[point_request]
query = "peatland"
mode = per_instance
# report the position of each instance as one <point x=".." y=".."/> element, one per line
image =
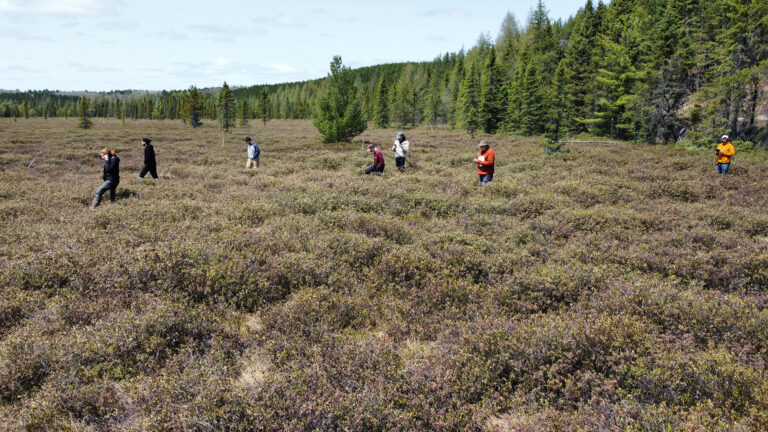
<point x="608" y="287"/>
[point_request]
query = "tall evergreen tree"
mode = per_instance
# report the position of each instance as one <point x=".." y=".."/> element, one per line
<point x="243" y="112"/>
<point x="615" y="94"/>
<point x="380" y="106"/>
<point x="403" y="98"/>
<point x="559" y="111"/>
<point x="226" y="110"/>
<point x="193" y="106"/>
<point x="338" y="115"/>
<point x="264" y="107"/>
<point x="456" y="78"/>
<point x="491" y="95"/>
<point x="469" y="101"/>
<point x="579" y="68"/>
<point x="83" y="113"/>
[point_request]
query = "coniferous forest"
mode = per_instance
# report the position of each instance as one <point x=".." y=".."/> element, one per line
<point x="651" y="71"/>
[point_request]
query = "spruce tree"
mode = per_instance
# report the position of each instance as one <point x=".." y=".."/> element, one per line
<point x="559" y="110"/>
<point x="435" y="109"/>
<point x="193" y="106"/>
<point x="515" y="89"/>
<point x="338" y="115"/>
<point x="578" y="67"/>
<point x="226" y="109"/>
<point x="491" y="95"/>
<point x="243" y="112"/>
<point x="263" y="107"/>
<point x="469" y="101"/>
<point x="380" y="106"/>
<point x="403" y="98"/>
<point x="83" y="113"/>
<point x="456" y="78"/>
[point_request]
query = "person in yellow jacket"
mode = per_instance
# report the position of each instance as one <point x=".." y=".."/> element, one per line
<point x="724" y="153"/>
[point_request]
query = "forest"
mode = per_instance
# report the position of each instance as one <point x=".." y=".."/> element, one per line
<point x="654" y="71"/>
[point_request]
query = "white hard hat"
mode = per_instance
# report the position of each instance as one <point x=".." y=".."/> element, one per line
<point x="724" y="136"/>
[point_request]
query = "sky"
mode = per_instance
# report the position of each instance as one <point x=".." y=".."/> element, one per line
<point x="102" y="45"/>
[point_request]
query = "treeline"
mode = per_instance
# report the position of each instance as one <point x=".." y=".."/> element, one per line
<point x="646" y="70"/>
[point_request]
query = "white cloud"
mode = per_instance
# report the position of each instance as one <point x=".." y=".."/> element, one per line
<point x="281" y="19"/>
<point x="74" y="7"/>
<point x="223" y="62"/>
<point x="447" y="12"/>
<point x="282" y="68"/>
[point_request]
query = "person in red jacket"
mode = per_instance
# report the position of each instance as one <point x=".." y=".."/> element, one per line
<point x="378" y="160"/>
<point x="484" y="161"/>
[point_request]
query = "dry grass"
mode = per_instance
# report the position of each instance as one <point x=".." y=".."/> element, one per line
<point x="613" y="287"/>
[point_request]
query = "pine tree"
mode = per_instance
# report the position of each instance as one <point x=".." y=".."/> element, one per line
<point x="263" y="107"/>
<point x="532" y="109"/>
<point x="614" y="92"/>
<point x="469" y="101"/>
<point x="193" y="106"/>
<point x="435" y="101"/>
<point x="491" y="95"/>
<point x="338" y="115"/>
<point x="456" y="78"/>
<point x="83" y="114"/>
<point x="559" y="112"/>
<point x="24" y="109"/>
<point x="579" y="68"/>
<point x="380" y="106"/>
<point x="514" y="92"/>
<point x="243" y="112"/>
<point x="403" y="98"/>
<point x="226" y="110"/>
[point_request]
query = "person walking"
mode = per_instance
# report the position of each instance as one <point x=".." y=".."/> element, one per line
<point x="724" y="153"/>
<point x="111" y="177"/>
<point x="485" y="161"/>
<point x="150" y="164"/>
<point x="401" y="151"/>
<point x="378" y="161"/>
<point x="253" y="153"/>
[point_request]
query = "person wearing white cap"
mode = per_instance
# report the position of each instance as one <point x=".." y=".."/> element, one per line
<point x="724" y="153"/>
<point x="485" y="160"/>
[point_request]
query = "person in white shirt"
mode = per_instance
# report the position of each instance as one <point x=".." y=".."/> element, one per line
<point x="401" y="151"/>
<point x="253" y="153"/>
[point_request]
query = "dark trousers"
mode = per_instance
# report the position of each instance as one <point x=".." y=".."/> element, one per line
<point x="485" y="178"/>
<point x="374" y="169"/>
<point x="152" y="169"/>
<point x="108" y="185"/>
<point x="400" y="163"/>
<point x="722" y="168"/>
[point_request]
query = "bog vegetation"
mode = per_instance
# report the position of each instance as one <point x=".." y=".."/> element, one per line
<point x="650" y="71"/>
<point x="609" y="287"/>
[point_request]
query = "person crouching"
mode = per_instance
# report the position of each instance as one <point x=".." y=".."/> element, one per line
<point x="378" y="161"/>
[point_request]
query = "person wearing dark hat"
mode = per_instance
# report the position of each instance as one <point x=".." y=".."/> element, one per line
<point x="724" y="152"/>
<point x="378" y="161"/>
<point x="484" y="161"/>
<point x="111" y="177"/>
<point x="150" y="164"/>
<point x="253" y="153"/>
<point x="401" y="151"/>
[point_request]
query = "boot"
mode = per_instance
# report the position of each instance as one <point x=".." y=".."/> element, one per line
<point x="95" y="203"/>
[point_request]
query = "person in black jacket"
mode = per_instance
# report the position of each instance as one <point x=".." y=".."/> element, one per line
<point x="111" y="177"/>
<point x="150" y="165"/>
